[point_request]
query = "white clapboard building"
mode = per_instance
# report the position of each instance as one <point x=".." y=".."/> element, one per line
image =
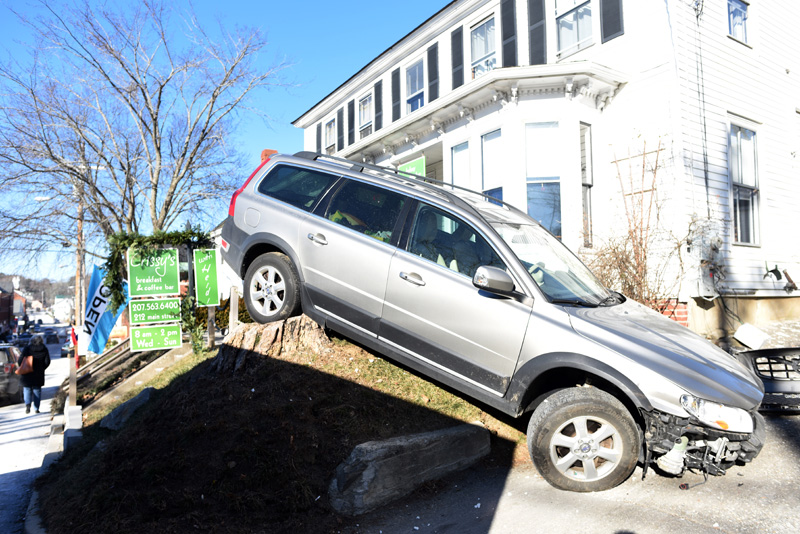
<point x="674" y="124"/>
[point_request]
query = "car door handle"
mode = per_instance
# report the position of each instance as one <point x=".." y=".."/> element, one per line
<point x="414" y="278"/>
<point x="318" y="239"/>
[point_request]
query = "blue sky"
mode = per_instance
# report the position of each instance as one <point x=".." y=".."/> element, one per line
<point x="325" y="43"/>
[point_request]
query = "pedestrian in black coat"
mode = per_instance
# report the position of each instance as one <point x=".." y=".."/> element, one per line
<point x="32" y="382"/>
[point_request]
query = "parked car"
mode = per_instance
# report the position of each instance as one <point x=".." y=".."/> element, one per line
<point x="67" y="349"/>
<point x="475" y="294"/>
<point x="24" y="339"/>
<point x="10" y="388"/>
<point x="63" y="332"/>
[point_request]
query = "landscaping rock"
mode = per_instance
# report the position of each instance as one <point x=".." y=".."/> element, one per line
<point x="117" y="418"/>
<point x="378" y="472"/>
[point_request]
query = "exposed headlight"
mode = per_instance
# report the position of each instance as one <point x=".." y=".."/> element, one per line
<point x="718" y="415"/>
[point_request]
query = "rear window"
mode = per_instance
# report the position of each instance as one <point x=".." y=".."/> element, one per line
<point x="299" y="187"/>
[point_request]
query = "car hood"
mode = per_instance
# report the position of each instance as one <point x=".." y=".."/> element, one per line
<point x="671" y="350"/>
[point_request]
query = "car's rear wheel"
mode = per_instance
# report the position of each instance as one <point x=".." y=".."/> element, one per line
<point x="271" y="288"/>
<point x="583" y="439"/>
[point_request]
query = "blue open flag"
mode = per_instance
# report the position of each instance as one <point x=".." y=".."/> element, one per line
<point x="100" y="319"/>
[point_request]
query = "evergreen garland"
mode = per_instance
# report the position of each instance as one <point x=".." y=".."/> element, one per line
<point x="119" y="243"/>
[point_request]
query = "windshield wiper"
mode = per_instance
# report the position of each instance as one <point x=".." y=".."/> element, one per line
<point x="614" y="298"/>
<point x="574" y="302"/>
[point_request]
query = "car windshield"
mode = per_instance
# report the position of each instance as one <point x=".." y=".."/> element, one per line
<point x="561" y="276"/>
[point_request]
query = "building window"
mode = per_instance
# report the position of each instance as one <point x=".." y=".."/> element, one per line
<point x="587" y="181"/>
<point x="744" y="185"/>
<point x="415" y="87"/>
<point x="365" y="116"/>
<point x="574" y="29"/>
<point x="483" y="50"/>
<point x="492" y="160"/>
<point x="543" y="177"/>
<point x="737" y="20"/>
<point x="330" y="137"/>
<point x="497" y="193"/>
<point x="460" y="165"/>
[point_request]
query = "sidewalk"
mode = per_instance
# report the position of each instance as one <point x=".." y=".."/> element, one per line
<point x="23" y="444"/>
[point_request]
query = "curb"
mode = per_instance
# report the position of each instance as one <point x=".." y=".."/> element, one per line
<point x="60" y="434"/>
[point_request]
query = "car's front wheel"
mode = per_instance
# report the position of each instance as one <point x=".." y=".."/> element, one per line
<point x="271" y="288"/>
<point x="583" y="439"/>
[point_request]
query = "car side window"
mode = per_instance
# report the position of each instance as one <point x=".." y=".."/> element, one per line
<point x="301" y="188"/>
<point x="371" y="210"/>
<point x="448" y="241"/>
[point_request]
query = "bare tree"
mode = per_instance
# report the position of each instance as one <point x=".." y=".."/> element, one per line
<point x="123" y="113"/>
<point x="644" y="261"/>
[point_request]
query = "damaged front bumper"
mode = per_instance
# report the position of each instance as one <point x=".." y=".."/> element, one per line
<point x="676" y="444"/>
<point x="779" y="371"/>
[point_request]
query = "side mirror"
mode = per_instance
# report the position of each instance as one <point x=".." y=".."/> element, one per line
<point x="493" y="280"/>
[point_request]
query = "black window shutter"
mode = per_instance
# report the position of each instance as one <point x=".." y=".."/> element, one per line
<point x="319" y="137"/>
<point x="536" y="32"/>
<point x="340" y="129"/>
<point x="378" y="105"/>
<point x="433" y="72"/>
<point x="611" y="19"/>
<point x="457" y="46"/>
<point x="508" y="20"/>
<point x="395" y="94"/>
<point x="351" y="122"/>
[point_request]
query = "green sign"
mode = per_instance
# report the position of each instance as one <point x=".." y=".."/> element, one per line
<point x="165" y="336"/>
<point x="205" y="277"/>
<point x="416" y="166"/>
<point x="153" y="273"/>
<point x="154" y="311"/>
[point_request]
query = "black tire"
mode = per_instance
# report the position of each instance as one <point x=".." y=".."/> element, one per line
<point x="583" y="439"/>
<point x="271" y="288"/>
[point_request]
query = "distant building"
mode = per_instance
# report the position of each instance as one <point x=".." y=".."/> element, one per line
<point x="585" y="113"/>
<point x="20" y="303"/>
<point x="6" y="310"/>
<point x="62" y="309"/>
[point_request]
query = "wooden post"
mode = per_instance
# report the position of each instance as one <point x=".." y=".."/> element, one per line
<point x="233" y="318"/>
<point x="212" y="323"/>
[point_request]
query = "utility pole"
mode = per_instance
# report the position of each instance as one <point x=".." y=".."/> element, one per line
<point x="80" y="300"/>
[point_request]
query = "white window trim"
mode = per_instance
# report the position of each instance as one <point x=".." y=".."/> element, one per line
<point x="580" y="45"/>
<point x="424" y="91"/>
<point x="328" y="145"/>
<point x="746" y="39"/>
<point x="756" y="229"/>
<point x="497" y="44"/>
<point x="367" y="124"/>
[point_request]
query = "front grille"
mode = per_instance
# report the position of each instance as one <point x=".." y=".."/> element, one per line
<point x="778" y="367"/>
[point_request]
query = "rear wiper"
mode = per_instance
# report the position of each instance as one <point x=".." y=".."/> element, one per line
<point x="574" y="302"/>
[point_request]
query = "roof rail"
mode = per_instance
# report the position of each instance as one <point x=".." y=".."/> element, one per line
<point x="359" y="167"/>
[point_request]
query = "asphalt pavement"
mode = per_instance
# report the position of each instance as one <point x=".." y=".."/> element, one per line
<point x="758" y="498"/>
<point x="23" y="443"/>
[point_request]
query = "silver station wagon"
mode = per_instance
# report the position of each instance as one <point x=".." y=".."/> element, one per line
<point x="473" y="293"/>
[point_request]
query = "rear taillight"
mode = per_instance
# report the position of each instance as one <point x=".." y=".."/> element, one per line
<point x="236" y="193"/>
